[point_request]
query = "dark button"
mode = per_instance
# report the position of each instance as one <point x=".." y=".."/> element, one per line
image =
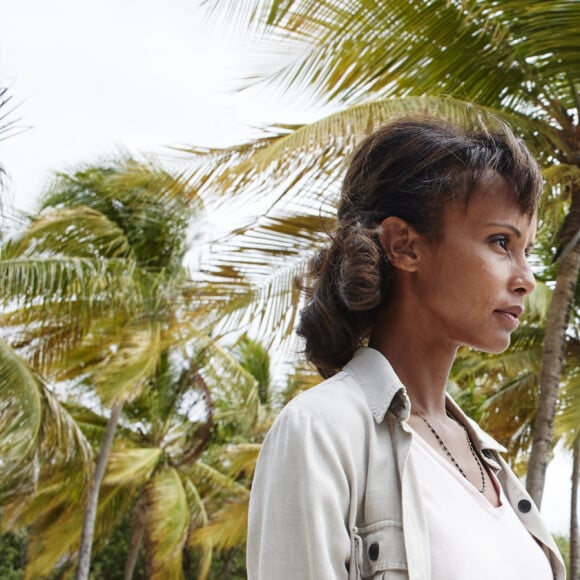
<point x="524" y="506"/>
<point x="486" y="453"/>
<point x="374" y="551"/>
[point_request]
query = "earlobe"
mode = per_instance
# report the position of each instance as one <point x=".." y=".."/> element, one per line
<point x="399" y="241"/>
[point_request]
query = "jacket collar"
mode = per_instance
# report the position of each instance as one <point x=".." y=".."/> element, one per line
<point x="382" y="387"/>
<point x="384" y="392"/>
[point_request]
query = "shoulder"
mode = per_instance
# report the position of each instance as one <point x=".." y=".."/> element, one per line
<point x="332" y="413"/>
<point x="338" y="400"/>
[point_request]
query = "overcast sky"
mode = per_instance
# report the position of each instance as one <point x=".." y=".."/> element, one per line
<point x="93" y="78"/>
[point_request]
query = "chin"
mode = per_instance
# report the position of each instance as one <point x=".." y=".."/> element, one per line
<point x="496" y="347"/>
<point x="497" y="350"/>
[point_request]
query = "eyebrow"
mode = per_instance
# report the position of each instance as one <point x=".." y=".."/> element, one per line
<point x="509" y="226"/>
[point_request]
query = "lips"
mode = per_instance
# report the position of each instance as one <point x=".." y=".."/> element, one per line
<point x="510" y="315"/>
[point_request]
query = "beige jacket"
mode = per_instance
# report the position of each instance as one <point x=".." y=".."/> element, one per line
<point x="334" y="496"/>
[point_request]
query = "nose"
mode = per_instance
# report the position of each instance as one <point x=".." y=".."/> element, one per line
<point x="524" y="280"/>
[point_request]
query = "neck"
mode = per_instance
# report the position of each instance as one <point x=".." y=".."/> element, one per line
<point x="420" y="360"/>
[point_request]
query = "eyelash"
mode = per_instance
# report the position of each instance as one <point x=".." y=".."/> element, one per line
<point x="503" y="242"/>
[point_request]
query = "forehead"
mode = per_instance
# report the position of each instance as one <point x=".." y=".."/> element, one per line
<point x="492" y="202"/>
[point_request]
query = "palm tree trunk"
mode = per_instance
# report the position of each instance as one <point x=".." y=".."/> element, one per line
<point x="552" y="357"/>
<point x="136" y="539"/>
<point x="93" y="496"/>
<point x="574" y="539"/>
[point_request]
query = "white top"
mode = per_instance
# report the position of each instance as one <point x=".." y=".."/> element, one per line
<point x="469" y="538"/>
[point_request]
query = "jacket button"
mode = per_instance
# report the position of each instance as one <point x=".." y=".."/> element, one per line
<point x="524" y="506"/>
<point x="374" y="551"/>
<point x="486" y="453"/>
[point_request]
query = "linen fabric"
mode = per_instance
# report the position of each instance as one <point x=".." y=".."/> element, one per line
<point x="336" y="496"/>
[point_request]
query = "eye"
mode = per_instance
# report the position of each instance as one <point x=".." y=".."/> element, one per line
<point x="501" y="241"/>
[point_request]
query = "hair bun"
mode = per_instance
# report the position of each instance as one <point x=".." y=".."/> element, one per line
<point x="360" y="283"/>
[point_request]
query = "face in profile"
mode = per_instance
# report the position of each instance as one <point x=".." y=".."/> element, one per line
<point x="474" y="281"/>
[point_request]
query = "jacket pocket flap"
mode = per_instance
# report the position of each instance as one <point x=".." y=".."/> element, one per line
<point x="379" y="547"/>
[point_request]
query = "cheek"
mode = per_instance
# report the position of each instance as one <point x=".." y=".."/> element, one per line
<point x="471" y="281"/>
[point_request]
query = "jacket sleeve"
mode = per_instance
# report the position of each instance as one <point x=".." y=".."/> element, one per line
<point x="298" y="520"/>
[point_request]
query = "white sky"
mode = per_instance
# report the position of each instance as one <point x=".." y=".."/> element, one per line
<point x="93" y="78"/>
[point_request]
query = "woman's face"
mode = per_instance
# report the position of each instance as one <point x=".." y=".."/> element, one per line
<point x="475" y="278"/>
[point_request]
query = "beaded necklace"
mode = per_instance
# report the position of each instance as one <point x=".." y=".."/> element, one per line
<point x="453" y="460"/>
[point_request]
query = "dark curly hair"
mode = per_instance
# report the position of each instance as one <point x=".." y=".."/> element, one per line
<point x="410" y="168"/>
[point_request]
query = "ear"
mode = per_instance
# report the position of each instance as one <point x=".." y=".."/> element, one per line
<point x="401" y="243"/>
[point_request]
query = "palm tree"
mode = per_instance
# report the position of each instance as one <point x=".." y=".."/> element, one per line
<point x="369" y="61"/>
<point x="162" y="466"/>
<point x="94" y="287"/>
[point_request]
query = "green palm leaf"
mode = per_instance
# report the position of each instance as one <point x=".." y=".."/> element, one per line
<point x="55" y="533"/>
<point x="123" y="375"/>
<point x="308" y="159"/>
<point x="167" y="524"/>
<point x="469" y="49"/>
<point x="227" y="528"/>
<point x="209" y="481"/>
<point x="132" y="467"/>
<point x="34" y="428"/>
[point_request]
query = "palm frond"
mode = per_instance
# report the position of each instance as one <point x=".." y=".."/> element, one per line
<point x="198" y="518"/>
<point x="255" y="358"/>
<point x="516" y="398"/>
<point x="227" y="528"/>
<point x="54" y="536"/>
<point x="307" y="160"/>
<point x="522" y="356"/>
<point x="210" y="481"/>
<point x="79" y="231"/>
<point x="125" y="372"/>
<point x="8" y="123"/>
<point x="241" y="459"/>
<point x="537" y="304"/>
<point x="132" y="467"/>
<point x="167" y="521"/>
<point x="149" y="206"/>
<point x="36" y="431"/>
<point x="468" y="49"/>
<point x="63" y="284"/>
<point x="234" y="391"/>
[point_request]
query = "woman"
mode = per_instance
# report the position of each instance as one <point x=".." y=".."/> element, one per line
<point x="376" y="472"/>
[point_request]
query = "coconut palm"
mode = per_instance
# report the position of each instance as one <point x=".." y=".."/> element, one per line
<point x="157" y="470"/>
<point x="96" y="291"/>
<point x="369" y="61"/>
